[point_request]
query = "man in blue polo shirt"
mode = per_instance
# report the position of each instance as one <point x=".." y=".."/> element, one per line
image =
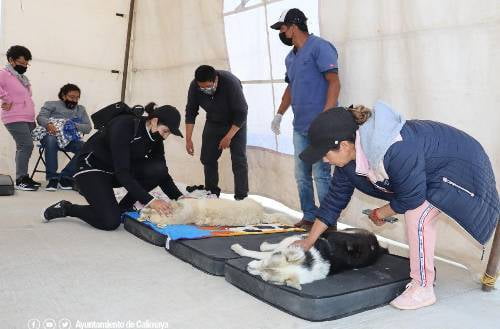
<point x="313" y="87"/>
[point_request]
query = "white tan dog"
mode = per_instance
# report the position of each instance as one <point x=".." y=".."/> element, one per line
<point x="214" y="212"/>
<point x="284" y="263"/>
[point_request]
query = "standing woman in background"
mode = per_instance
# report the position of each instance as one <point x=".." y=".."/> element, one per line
<point x="18" y="111"/>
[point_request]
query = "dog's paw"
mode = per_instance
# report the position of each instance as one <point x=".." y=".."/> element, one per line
<point x="293" y="284"/>
<point x="265" y="246"/>
<point x="237" y="248"/>
<point x="253" y="267"/>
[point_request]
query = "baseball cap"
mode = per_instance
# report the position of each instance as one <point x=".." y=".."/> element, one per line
<point x="326" y="132"/>
<point x="290" y="16"/>
<point x="169" y="116"/>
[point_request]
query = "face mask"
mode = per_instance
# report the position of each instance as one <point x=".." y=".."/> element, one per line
<point x="285" y="40"/>
<point x="209" y="91"/>
<point x="70" y="104"/>
<point x="156" y="136"/>
<point x="20" y="69"/>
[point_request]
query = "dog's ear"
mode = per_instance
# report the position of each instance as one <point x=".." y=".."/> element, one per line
<point x="293" y="282"/>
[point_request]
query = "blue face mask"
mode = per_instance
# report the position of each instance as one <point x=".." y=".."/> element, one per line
<point x="209" y="91"/>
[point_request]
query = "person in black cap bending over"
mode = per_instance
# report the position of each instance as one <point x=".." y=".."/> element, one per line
<point x="220" y="94"/>
<point x="420" y="167"/>
<point x="128" y="153"/>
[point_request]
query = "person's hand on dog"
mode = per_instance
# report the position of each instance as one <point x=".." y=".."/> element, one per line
<point x="316" y="230"/>
<point x="161" y="206"/>
<point x="304" y="244"/>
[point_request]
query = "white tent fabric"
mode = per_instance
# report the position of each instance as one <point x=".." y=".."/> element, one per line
<point x="433" y="60"/>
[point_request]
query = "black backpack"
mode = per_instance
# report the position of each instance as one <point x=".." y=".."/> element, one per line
<point x="102" y="117"/>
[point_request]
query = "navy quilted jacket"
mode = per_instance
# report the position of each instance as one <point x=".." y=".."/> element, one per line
<point x="433" y="162"/>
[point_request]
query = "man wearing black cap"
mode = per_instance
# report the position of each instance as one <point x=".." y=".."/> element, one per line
<point x="313" y="86"/>
<point x="220" y="94"/>
<point x="128" y="152"/>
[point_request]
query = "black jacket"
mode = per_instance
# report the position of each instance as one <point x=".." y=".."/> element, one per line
<point x="227" y="106"/>
<point x="121" y="143"/>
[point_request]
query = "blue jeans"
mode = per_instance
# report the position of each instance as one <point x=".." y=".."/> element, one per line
<point x="49" y="142"/>
<point x="320" y="172"/>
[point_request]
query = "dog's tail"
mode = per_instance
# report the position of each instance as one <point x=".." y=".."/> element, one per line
<point x="278" y="217"/>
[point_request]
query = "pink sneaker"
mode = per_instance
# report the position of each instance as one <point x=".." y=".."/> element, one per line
<point x="414" y="297"/>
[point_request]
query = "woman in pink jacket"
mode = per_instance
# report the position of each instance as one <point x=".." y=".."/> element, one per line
<point x="18" y="111"/>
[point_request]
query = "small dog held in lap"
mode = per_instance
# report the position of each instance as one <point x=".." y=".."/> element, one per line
<point x="286" y="264"/>
<point x="215" y="212"/>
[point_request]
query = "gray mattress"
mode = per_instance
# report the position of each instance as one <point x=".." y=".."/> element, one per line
<point x="337" y="296"/>
<point x="144" y="232"/>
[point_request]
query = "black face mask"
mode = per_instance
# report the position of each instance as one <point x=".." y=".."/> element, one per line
<point x="285" y="40"/>
<point x="156" y="136"/>
<point x="70" y="104"/>
<point x="20" y="69"/>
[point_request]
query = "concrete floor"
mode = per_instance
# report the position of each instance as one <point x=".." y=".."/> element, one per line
<point x="65" y="269"/>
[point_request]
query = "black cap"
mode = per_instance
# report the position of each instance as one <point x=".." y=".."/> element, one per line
<point x="327" y="131"/>
<point x="290" y="16"/>
<point x="169" y="116"/>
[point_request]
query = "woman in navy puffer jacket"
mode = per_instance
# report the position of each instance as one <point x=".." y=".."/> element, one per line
<point x="420" y="167"/>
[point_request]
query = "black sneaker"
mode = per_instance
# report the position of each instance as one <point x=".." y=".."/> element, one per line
<point x="24" y="184"/>
<point x="37" y="184"/>
<point x="52" y="185"/>
<point x="57" y="210"/>
<point x="65" y="184"/>
<point x="214" y="190"/>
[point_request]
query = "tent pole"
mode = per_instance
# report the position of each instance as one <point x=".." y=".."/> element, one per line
<point x="490" y="275"/>
<point x="127" y="49"/>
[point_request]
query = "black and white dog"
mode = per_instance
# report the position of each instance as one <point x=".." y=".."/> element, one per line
<point x="284" y="263"/>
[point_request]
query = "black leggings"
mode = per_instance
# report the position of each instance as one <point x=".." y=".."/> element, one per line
<point x="103" y="211"/>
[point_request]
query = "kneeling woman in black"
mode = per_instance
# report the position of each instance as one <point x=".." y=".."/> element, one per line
<point x="127" y="153"/>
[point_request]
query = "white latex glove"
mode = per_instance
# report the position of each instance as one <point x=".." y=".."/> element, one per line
<point x="275" y="124"/>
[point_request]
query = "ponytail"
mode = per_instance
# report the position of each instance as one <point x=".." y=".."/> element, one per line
<point x="360" y="113"/>
<point x="150" y="110"/>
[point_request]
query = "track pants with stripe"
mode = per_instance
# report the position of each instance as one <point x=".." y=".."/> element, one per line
<point x="421" y="232"/>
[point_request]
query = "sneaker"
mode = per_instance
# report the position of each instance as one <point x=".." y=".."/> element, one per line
<point x="240" y="197"/>
<point x="57" y="210"/>
<point x="24" y="184"/>
<point x="214" y="190"/>
<point x="414" y="297"/>
<point x="37" y="184"/>
<point x="52" y="185"/>
<point x="65" y="184"/>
